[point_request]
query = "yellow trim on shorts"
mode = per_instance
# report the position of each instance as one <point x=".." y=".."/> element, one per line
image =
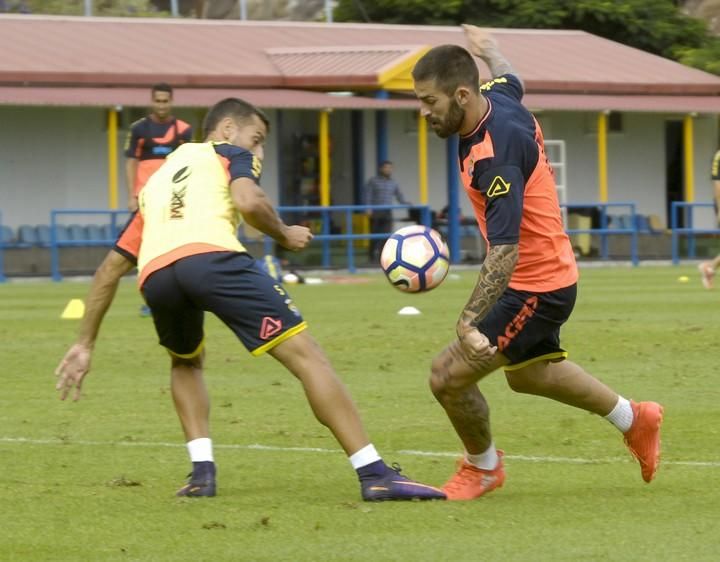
<point x="281" y="338"/>
<point x="547" y="357"/>
<point x="198" y="351"/>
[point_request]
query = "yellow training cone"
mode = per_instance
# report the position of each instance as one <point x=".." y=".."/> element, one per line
<point x="74" y="310"/>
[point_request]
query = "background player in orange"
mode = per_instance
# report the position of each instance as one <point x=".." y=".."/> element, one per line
<point x="151" y="139"/>
<point x="190" y="261"/>
<point x="148" y="143"/>
<point x="527" y="284"/>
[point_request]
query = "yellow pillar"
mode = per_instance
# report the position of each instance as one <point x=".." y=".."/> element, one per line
<point x="689" y="158"/>
<point x="602" y="127"/>
<point x="324" y="148"/>
<point x="422" y="159"/>
<point x="112" y="133"/>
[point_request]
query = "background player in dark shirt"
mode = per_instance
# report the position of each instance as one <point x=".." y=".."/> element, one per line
<point x="151" y="139"/>
<point x="526" y="287"/>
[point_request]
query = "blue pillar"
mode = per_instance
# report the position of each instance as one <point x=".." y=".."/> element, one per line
<point x="381" y="129"/>
<point x="453" y="192"/>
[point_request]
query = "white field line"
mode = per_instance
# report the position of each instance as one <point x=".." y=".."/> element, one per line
<point x="410" y="452"/>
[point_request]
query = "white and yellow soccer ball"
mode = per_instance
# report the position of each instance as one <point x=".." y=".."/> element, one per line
<point x="415" y="259"/>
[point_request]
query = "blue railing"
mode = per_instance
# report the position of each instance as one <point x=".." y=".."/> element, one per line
<point x="606" y="230"/>
<point x="117" y="221"/>
<point x="326" y="237"/>
<point x="676" y="207"/>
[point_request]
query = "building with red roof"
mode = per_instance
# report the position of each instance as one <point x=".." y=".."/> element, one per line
<point x="61" y="77"/>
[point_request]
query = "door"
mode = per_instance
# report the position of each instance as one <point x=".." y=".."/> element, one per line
<point x="674" y="168"/>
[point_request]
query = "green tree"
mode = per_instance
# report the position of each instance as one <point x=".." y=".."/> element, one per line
<point x="656" y="26"/>
<point x="135" y="8"/>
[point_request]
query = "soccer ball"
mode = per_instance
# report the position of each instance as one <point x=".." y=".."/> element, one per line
<point x="415" y="259"/>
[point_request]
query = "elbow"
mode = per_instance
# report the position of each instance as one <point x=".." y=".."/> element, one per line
<point x="246" y="207"/>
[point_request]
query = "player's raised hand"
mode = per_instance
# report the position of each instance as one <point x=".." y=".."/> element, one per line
<point x="72" y="370"/>
<point x="479" y="41"/>
<point x="297" y="237"/>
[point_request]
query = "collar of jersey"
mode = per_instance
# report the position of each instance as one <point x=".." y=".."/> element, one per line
<point x="481" y="122"/>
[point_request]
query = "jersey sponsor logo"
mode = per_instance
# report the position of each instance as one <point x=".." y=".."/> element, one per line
<point x="182" y="174"/>
<point x="177" y="197"/>
<point x="498" y="187"/>
<point x="256" y="166"/>
<point x="270" y="327"/>
<point x="516" y="325"/>
<point x="488" y="85"/>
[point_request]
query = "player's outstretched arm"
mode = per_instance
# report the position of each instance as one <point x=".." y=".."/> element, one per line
<point x="482" y="45"/>
<point x="258" y="212"/>
<point x="131" y="166"/>
<point x="75" y="365"/>
<point x="494" y="278"/>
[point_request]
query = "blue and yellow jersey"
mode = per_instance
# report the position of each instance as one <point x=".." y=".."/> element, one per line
<point x="186" y="206"/>
<point x="150" y="141"/>
<point x="511" y="185"/>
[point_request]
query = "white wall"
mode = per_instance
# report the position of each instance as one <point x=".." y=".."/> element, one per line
<point x="51" y="158"/>
<point x="636" y="158"/>
<point x="57" y="158"/>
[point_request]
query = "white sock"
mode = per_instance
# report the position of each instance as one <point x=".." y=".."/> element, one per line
<point x="200" y="450"/>
<point x="487" y="460"/>
<point x="365" y="456"/>
<point x="621" y="415"/>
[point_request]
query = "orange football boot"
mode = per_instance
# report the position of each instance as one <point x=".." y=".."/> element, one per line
<point x="470" y="482"/>
<point x="643" y="437"/>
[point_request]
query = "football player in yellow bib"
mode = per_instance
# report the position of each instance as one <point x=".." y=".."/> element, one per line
<point x="190" y="261"/>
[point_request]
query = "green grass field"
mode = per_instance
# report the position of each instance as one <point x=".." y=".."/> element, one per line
<point x="95" y="479"/>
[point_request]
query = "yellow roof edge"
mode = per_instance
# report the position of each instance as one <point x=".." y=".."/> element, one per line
<point x="398" y="75"/>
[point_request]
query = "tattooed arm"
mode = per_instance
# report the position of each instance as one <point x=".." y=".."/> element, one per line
<point x="493" y="280"/>
<point x="482" y="45"/>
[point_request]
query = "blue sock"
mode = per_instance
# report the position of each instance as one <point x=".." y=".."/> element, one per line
<point x="373" y="470"/>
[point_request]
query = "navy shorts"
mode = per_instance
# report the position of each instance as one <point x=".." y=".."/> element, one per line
<point x="232" y="286"/>
<point x="525" y="326"/>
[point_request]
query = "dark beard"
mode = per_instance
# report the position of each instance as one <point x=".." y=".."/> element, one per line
<point x="452" y="122"/>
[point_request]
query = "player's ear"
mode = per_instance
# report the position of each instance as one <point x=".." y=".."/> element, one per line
<point x="227" y="127"/>
<point x="462" y="95"/>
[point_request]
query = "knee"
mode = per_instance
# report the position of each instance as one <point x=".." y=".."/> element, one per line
<point x="439" y="378"/>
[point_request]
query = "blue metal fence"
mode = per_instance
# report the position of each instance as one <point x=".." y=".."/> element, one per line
<point x="117" y="219"/>
<point x="606" y="229"/>
<point x="325" y="236"/>
<point x="688" y="229"/>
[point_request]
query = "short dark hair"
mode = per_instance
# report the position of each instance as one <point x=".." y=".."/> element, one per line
<point x="384" y="162"/>
<point x="449" y="66"/>
<point x="235" y="108"/>
<point x="162" y="87"/>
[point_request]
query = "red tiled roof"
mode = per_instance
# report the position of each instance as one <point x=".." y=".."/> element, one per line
<point x="207" y="53"/>
<point x="192" y="97"/>
<point x="352" y="65"/>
